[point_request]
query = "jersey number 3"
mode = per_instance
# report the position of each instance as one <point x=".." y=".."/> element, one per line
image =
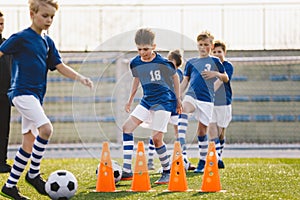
<point x="155" y="75"/>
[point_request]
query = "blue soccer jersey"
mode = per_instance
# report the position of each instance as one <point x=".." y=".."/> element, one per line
<point x="223" y="96"/>
<point x="180" y="74"/>
<point x="199" y="88"/>
<point x="156" y="78"/>
<point x="33" y="55"/>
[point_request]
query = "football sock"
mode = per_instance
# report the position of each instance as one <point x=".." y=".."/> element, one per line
<point x="127" y="151"/>
<point x="151" y="150"/>
<point x="164" y="158"/>
<point x="182" y="127"/>
<point x="38" y="150"/>
<point x="222" y="144"/>
<point x="203" y="147"/>
<point x="19" y="165"/>
<point x="218" y="147"/>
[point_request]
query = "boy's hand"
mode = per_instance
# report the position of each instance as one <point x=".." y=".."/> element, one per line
<point x="179" y="106"/>
<point x="209" y="74"/>
<point x="127" y="107"/>
<point x="87" y="82"/>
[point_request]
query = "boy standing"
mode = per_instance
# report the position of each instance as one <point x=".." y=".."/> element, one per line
<point x="200" y="73"/>
<point x="222" y="112"/>
<point x="34" y="53"/>
<point x="159" y="80"/>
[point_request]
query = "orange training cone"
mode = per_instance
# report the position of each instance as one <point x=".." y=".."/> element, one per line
<point x="211" y="178"/>
<point x="105" y="180"/>
<point x="178" y="182"/>
<point x="141" y="179"/>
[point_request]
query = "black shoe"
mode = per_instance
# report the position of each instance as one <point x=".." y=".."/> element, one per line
<point x="12" y="193"/>
<point x="38" y="183"/>
<point x="5" y="168"/>
<point x="221" y="164"/>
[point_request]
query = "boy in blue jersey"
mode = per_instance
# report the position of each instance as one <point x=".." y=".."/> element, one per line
<point x="222" y="112"/>
<point x="159" y="80"/>
<point x="34" y="53"/>
<point x="175" y="56"/>
<point x="200" y="74"/>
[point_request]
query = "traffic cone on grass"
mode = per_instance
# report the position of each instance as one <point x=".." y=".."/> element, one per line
<point x="211" y="178"/>
<point x="178" y="182"/>
<point x="105" y="179"/>
<point x="141" y="179"/>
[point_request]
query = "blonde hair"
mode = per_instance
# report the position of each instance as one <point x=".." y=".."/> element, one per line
<point x="35" y="4"/>
<point x="204" y="35"/>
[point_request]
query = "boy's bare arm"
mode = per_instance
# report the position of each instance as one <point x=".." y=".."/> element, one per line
<point x="183" y="85"/>
<point x="1" y="54"/>
<point x="134" y="88"/>
<point x="177" y="93"/>
<point x="72" y="74"/>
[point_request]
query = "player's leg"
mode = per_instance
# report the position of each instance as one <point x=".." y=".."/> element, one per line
<point x="133" y="121"/>
<point x="203" y="147"/>
<point x="224" y="117"/>
<point x="160" y="120"/>
<point x="203" y="114"/>
<point x="188" y="107"/>
<point x="151" y="151"/>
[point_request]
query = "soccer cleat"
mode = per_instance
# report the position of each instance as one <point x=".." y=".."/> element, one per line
<point x="126" y="176"/>
<point x="164" y="179"/>
<point x="200" y="167"/>
<point x="221" y="164"/>
<point x="191" y="167"/>
<point x="38" y="183"/>
<point x="12" y="193"/>
<point x="151" y="166"/>
<point x="5" y="168"/>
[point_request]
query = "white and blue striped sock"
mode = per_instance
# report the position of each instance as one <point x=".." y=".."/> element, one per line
<point x="38" y="150"/>
<point x="203" y="147"/>
<point x="182" y="128"/>
<point x="164" y="158"/>
<point x="151" y="150"/>
<point x="128" y="144"/>
<point x="19" y="165"/>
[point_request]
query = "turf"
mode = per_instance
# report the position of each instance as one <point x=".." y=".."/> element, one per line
<point x="242" y="178"/>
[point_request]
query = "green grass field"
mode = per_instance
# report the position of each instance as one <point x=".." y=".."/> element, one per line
<point x="243" y="178"/>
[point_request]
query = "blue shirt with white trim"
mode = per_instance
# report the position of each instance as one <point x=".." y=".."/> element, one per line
<point x="156" y="78"/>
<point x="199" y="88"/>
<point x="223" y="96"/>
<point x="33" y="55"/>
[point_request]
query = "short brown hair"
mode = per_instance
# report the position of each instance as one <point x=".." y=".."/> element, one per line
<point x="175" y="55"/>
<point x="1" y="14"/>
<point x="144" y="36"/>
<point x="204" y="35"/>
<point x="35" y="4"/>
<point x="219" y="43"/>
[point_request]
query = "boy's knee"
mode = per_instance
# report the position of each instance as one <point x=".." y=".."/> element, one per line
<point x="45" y="131"/>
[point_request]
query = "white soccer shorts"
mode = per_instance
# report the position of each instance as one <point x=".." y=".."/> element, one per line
<point x="154" y="120"/>
<point x="222" y="115"/>
<point x="33" y="115"/>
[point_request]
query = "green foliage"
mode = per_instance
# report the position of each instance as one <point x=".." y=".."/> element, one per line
<point x="243" y="178"/>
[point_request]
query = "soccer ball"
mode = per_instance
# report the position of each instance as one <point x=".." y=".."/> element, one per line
<point x="117" y="171"/>
<point x="61" y="184"/>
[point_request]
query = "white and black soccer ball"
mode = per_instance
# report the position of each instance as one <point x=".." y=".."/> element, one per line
<point x="61" y="184"/>
<point x="117" y="169"/>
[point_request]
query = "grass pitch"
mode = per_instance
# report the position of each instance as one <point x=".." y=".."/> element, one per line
<point x="242" y="178"/>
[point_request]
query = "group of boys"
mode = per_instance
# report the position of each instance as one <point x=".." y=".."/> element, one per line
<point x="34" y="53"/>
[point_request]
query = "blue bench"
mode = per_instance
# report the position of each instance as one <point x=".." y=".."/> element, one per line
<point x="280" y="77"/>
<point x="239" y="78"/>
<point x="295" y="77"/>
<point x="262" y="118"/>
<point x="58" y="79"/>
<point x="285" y="118"/>
<point x="260" y="98"/>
